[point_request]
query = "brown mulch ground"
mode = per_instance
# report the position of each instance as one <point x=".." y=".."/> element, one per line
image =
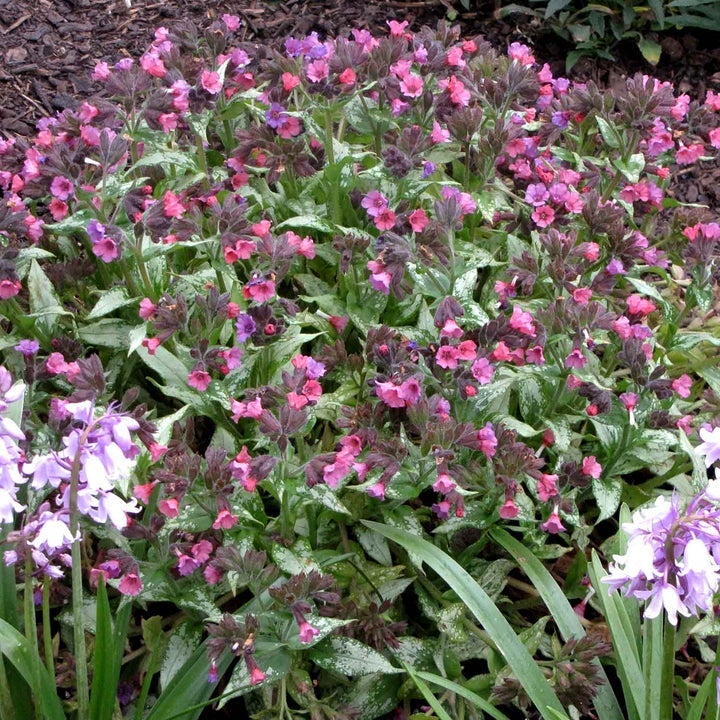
<point x="49" y="47"/>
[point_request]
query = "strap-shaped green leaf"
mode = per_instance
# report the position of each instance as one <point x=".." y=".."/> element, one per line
<point x="484" y="609"/>
<point x="23" y="655"/>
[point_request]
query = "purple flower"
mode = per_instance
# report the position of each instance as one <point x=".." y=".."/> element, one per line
<point x="672" y="557"/>
<point x="274" y="115"/>
<point x="244" y="327"/>
<point x="710" y="447"/>
<point x="27" y="347"/>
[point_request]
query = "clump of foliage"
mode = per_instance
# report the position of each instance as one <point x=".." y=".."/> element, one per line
<point x="595" y="28"/>
<point x="265" y="308"/>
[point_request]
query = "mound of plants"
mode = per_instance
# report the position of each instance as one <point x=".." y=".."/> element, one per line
<point x="367" y="377"/>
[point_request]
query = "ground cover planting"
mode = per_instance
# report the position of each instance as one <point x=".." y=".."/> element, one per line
<point x="358" y="377"/>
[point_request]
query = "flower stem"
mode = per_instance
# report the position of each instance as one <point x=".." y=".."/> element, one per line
<point x="47" y="633"/>
<point x="29" y="614"/>
<point x="80" y="651"/>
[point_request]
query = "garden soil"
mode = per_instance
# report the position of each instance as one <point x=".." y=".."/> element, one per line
<point x="49" y="47"/>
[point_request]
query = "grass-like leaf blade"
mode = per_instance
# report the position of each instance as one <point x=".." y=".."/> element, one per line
<point x="484" y="609"/>
<point x="564" y="616"/>
<point x="18" y="650"/>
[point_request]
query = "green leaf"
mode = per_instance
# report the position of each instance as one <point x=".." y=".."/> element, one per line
<point x="107" y="655"/>
<point x="651" y="51"/>
<point x="109" y="332"/>
<point x="632" y="168"/>
<point x="509" y="645"/>
<point x="479" y="702"/>
<point x="625" y="644"/>
<point x="373" y="695"/>
<point x="351" y="657"/>
<point x="309" y="222"/>
<point x="609" y="135"/>
<point x="44" y="302"/>
<point x="186" y="693"/>
<point x="374" y="545"/>
<point x="427" y="694"/>
<point x="24" y="656"/>
<point x="181" y="646"/>
<point x="607" y="493"/>
<point x="166" y="365"/>
<point x="567" y="621"/>
<point x="554" y="6"/>
<point x="110" y="301"/>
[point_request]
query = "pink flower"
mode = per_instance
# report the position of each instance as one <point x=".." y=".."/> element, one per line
<point x="143" y="492"/>
<point x="9" y="288"/>
<point x="224" y="520"/>
<point x="252" y="409"/>
<point x="55" y="364"/>
<point x="153" y="65"/>
<point x="447" y="357"/>
<point x="543" y="216"/>
<point x="397" y="29"/>
<point x="591" y="467"/>
<point x="232" y="22"/>
<point x="535" y="356"/>
<point x="317" y="70"/>
<point x="509" y="510"/>
<point x="521" y="54"/>
<point x="106" y="249"/>
<point x="410" y="391"/>
<point x="439" y="134"/>
<point x="688" y="154"/>
<point x="199" y="379"/>
<point x="638" y="305"/>
<point x="412" y="85"/>
<point x="714" y="137"/>
<point x="453" y="57"/>
<point x="211" y="82"/>
<point x="172" y="206"/>
<point x="444" y="484"/>
<point x="385" y="219"/>
<point x="130" y="585"/>
<point x="389" y="393"/>
<point x="259" y="289"/>
<point x="482" y="370"/>
<point x="347" y="77"/>
<point x="451" y="329"/>
<point x="547" y="487"/>
<point x="487" y="440"/>
<point x="147" y="309"/>
<point x="682" y="386"/>
<point x="418" y="220"/>
<point x="101" y="71"/>
<point x="289" y="81"/>
<point x="168" y="122"/>
<point x="553" y="524"/>
<point x="576" y="359"/>
<point x="459" y="94"/>
<point x="374" y="203"/>
<point x="522" y="321"/>
<point x="582" y="295"/>
<point x="377" y="491"/>
<point x="61" y="187"/>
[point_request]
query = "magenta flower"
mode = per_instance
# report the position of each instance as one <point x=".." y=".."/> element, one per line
<point x="200" y="380"/>
<point x="482" y="370"/>
<point x="522" y="321"/>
